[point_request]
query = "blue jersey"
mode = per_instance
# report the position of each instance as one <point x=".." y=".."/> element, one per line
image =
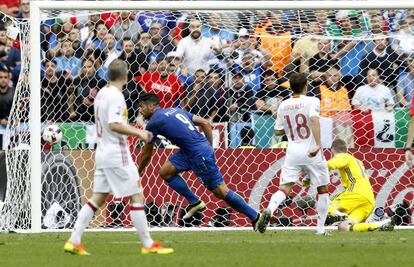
<point x="177" y="126"/>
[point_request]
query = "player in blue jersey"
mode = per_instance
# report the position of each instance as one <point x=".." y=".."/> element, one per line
<point x="196" y="154"/>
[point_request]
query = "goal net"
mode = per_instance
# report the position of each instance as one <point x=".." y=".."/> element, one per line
<point x="229" y="66"/>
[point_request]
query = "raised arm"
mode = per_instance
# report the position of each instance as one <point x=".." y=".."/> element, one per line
<point x="206" y="126"/>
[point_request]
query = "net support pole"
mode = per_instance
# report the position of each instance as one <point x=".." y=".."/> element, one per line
<point x="34" y="119"/>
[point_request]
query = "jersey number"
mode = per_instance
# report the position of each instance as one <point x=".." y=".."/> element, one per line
<point x="185" y="120"/>
<point x="302" y="129"/>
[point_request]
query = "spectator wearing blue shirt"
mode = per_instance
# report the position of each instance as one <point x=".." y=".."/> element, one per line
<point x="405" y="84"/>
<point x="101" y="31"/>
<point x="251" y="71"/>
<point x="67" y="61"/>
<point x="350" y="55"/>
<point x="166" y="20"/>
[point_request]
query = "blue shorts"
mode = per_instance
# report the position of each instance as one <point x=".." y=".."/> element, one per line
<point x="204" y="167"/>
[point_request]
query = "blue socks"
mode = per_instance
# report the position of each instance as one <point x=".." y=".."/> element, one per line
<point x="177" y="183"/>
<point x="237" y="202"/>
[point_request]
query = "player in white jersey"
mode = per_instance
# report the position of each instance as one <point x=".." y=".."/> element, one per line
<point x="298" y="118"/>
<point x="115" y="170"/>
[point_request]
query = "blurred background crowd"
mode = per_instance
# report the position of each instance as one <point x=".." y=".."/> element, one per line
<point x="225" y="66"/>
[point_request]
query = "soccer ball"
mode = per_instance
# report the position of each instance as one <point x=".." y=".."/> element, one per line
<point x="52" y="134"/>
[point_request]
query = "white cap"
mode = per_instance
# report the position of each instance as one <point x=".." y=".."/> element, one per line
<point x="173" y="54"/>
<point x="243" y="32"/>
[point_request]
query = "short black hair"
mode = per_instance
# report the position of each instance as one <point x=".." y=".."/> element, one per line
<point x="339" y="145"/>
<point x="297" y="82"/>
<point x="46" y="60"/>
<point x="268" y="73"/>
<point x="149" y="98"/>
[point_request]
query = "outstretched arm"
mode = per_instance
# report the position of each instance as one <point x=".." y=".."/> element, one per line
<point x="120" y="128"/>
<point x="146" y="155"/>
<point x="206" y="126"/>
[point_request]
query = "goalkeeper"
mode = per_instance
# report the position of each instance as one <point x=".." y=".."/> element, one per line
<point x="356" y="201"/>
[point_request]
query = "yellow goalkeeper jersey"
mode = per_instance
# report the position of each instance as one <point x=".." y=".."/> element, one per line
<point x="353" y="175"/>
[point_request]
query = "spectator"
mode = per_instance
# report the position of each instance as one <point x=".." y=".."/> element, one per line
<point x="321" y="62"/>
<point x="101" y="30"/>
<point x="74" y="37"/>
<point x="24" y="12"/>
<point x="245" y="44"/>
<point x="144" y="51"/>
<point x="130" y="56"/>
<point x="126" y="27"/>
<point x="251" y="71"/>
<point x="278" y="44"/>
<point x="87" y="86"/>
<point x="110" y="50"/>
<point x="385" y="60"/>
<point x="176" y="67"/>
<point x="160" y="46"/>
<point x="202" y="98"/>
<point x="373" y="95"/>
<point x="403" y="41"/>
<point x="9" y="7"/>
<point x="67" y="61"/>
<point x="88" y="32"/>
<point x="6" y="95"/>
<point x="57" y="91"/>
<point x="405" y="84"/>
<point x="195" y="49"/>
<point x="98" y="57"/>
<point x="334" y="96"/>
<point x="270" y="97"/>
<point x="164" y="18"/>
<point x="165" y="85"/>
<point x="350" y="55"/>
<point x="241" y="102"/>
<point x="306" y="47"/>
<point x="215" y="30"/>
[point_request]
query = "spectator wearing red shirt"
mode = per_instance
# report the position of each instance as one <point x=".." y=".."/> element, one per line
<point x="165" y="85"/>
<point x="10" y="7"/>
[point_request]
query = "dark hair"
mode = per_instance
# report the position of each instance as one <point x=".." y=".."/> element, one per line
<point x="117" y="70"/>
<point x="126" y="39"/>
<point x="268" y="73"/>
<point x="149" y="98"/>
<point x="4" y="68"/>
<point x="339" y="145"/>
<point x="298" y="82"/>
<point x="46" y="60"/>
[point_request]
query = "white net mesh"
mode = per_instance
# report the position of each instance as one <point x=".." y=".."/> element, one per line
<point x="359" y="63"/>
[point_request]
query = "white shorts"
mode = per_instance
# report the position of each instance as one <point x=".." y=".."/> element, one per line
<point x="318" y="173"/>
<point x="120" y="181"/>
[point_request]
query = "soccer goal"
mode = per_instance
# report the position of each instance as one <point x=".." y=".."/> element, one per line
<point x="228" y="61"/>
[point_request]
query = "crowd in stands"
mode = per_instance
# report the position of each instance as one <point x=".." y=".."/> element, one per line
<point x="221" y="69"/>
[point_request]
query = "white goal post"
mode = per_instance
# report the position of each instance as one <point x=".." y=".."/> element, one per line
<point x="36" y="8"/>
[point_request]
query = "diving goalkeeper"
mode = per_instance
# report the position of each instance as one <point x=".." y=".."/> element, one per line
<point x="356" y="201"/>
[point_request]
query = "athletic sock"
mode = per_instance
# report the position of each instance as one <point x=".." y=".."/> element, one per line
<point x="84" y="218"/>
<point x="237" y="202"/>
<point x="322" y="208"/>
<point x="139" y="219"/>
<point x="178" y="184"/>
<point x="276" y="199"/>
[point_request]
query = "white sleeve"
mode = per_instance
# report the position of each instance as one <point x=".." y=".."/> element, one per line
<point x="279" y="121"/>
<point x="356" y="100"/>
<point x="315" y="108"/>
<point x="389" y="98"/>
<point x="181" y="47"/>
<point x="116" y="110"/>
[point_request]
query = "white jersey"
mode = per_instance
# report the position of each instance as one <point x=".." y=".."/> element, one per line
<point x="293" y="116"/>
<point x="112" y="148"/>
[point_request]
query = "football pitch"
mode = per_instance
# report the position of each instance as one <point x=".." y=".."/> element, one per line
<point x="233" y="248"/>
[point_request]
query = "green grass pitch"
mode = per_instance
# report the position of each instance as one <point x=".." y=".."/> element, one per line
<point x="234" y="248"/>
